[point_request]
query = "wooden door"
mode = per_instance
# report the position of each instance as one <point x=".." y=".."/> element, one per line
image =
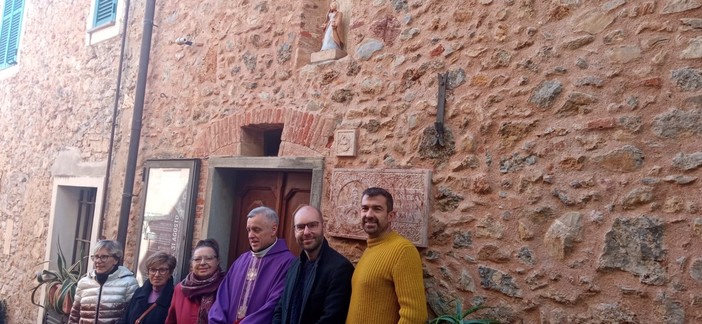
<point x="284" y="191"/>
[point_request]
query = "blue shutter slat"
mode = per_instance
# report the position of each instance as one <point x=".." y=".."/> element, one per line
<point x="10" y="31"/>
<point x="13" y="42"/>
<point x="4" y="33"/>
<point x="105" y="11"/>
<point x="7" y="8"/>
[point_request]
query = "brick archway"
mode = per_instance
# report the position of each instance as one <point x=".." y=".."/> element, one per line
<point x="223" y="137"/>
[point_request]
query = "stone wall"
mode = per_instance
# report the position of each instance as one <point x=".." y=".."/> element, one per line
<point x="568" y="187"/>
<point x="61" y="98"/>
<point x="567" y="191"/>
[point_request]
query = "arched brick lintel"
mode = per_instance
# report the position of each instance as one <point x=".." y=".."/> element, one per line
<point x="223" y="136"/>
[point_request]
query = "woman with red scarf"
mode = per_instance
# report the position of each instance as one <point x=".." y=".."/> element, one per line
<point x="193" y="297"/>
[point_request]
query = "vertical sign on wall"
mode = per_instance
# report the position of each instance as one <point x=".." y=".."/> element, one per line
<point x="168" y="212"/>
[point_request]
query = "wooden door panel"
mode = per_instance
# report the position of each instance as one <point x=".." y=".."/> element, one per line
<point x="254" y="189"/>
<point x="252" y="198"/>
<point x="280" y="190"/>
<point x="293" y="199"/>
<point x="295" y="193"/>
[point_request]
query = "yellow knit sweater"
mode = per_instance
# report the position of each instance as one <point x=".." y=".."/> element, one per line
<point x="387" y="285"/>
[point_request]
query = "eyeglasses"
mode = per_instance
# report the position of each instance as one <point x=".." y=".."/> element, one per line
<point x="162" y="271"/>
<point x="311" y="226"/>
<point x="207" y="259"/>
<point x="102" y="258"/>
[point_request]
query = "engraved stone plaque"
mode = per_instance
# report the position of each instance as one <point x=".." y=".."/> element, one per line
<point x="410" y="190"/>
<point x="345" y="142"/>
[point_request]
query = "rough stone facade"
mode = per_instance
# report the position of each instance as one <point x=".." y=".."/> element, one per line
<point x="60" y="98"/>
<point x="567" y="190"/>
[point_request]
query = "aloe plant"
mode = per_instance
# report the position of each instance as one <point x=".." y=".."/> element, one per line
<point x="60" y="285"/>
<point x="460" y="316"/>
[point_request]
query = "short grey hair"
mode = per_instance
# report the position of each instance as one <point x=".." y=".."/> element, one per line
<point x="267" y="212"/>
<point x="114" y="248"/>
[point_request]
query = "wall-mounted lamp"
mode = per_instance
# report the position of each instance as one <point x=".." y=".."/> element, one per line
<point x="186" y="41"/>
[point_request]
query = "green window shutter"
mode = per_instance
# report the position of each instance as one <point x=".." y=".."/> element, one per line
<point x="4" y="35"/>
<point x="105" y="12"/>
<point x="10" y="31"/>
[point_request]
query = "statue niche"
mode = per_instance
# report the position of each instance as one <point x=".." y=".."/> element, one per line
<point x="332" y="37"/>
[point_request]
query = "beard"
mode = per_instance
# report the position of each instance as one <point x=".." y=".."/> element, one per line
<point x="373" y="226"/>
<point x="310" y="244"/>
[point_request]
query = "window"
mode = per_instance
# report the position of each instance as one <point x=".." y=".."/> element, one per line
<point x="261" y="139"/>
<point x="102" y="22"/>
<point x="10" y="31"/>
<point x="84" y="226"/>
<point x="71" y="226"/>
<point x="105" y="12"/>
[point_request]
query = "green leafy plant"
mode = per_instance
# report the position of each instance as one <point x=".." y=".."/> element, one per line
<point x="460" y="316"/>
<point x="60" y="285"/>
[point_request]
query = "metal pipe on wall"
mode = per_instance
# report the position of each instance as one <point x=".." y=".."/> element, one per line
<point x="135" y="135"/>
<point x="115" y="108"/>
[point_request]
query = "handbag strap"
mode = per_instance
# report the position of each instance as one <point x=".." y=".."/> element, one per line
<point x="138" y="321"/>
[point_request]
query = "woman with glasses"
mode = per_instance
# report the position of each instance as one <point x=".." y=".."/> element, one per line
<point x="194" y="296"/>
<point x="151" y="301"/>
<point x="105" y="292"/>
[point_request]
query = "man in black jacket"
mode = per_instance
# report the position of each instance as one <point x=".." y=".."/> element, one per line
<point x="318" y="284"/>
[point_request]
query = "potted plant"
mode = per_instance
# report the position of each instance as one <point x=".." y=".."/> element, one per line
<point x="459" y="316"/>
<point x="60" y="285"/>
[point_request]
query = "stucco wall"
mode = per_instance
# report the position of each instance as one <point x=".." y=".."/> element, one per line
<point x="568" y="190"/>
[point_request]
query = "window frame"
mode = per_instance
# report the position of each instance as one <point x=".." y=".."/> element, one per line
<point x="108" y="29"/>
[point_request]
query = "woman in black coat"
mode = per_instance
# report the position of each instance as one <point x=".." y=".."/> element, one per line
<point x="151" y="301"/>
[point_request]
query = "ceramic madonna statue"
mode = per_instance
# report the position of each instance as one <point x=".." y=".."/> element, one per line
<point x="333" y="28"/>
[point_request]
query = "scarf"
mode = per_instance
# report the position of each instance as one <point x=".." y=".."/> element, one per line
<point x="101" y="278"/>
<point x="204" y="290"/>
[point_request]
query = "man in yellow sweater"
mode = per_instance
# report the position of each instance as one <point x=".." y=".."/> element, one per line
<point x="387" y="286"/>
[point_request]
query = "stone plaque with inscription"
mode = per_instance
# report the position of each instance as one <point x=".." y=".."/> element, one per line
<point x="410" y="190"/>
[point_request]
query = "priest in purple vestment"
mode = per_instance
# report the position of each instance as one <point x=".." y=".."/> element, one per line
<point x="254" y="283"/>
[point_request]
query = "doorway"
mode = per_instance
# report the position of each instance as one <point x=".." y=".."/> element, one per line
<point x="283" y="191"/>
<point x="238" y="184"/>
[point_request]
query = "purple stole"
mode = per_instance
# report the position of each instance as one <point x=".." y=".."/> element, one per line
<point x="249" y="284"/>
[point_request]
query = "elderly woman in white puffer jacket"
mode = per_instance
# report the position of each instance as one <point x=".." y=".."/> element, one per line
<point x="103" y="295"/>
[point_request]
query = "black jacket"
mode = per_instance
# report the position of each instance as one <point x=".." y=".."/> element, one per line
<point x="326" y="300"/>
<point x="140" y="303"/>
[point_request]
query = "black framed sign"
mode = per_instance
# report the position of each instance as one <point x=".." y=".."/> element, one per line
<point x="168" y="212"/>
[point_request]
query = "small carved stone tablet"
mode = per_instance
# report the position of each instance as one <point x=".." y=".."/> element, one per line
<point x="345" y="142"/>
<point x="411" y="194"/>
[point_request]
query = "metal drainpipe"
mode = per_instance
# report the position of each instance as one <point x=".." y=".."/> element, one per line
<point x="135" y="135"/>
<point x="115" y="109"/>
